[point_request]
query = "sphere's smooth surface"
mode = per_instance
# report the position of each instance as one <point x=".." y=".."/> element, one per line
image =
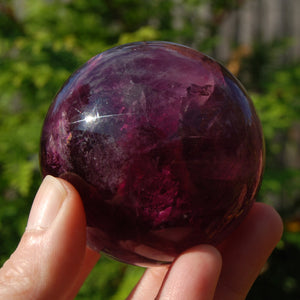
<point x="163" y="145"/>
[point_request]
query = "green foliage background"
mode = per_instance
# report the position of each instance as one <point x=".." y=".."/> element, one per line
<point x="43" y="41"/>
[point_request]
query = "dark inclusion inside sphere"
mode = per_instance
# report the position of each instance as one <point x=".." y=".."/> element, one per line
<point x="163" y="145"/>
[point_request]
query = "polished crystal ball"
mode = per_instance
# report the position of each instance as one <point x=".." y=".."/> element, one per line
<point x="162" y="143"/>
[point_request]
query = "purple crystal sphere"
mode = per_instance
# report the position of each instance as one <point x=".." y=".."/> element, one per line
<point x="162" y="143"/>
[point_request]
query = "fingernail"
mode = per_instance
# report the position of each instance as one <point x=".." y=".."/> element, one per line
<point x="47" y="204"/>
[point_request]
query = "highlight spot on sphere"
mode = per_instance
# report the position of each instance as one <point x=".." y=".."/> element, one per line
<point x="162" y="143"/>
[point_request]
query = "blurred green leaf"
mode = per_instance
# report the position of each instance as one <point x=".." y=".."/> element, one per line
<point x="145" y="33"/>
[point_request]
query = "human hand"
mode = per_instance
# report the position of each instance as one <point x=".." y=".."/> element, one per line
<point x="50" y="263"/>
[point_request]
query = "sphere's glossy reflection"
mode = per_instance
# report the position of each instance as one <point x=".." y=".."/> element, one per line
<point x="162" y="143"/>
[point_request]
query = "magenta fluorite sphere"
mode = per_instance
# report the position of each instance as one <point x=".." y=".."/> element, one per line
<point x="162" y="143"/>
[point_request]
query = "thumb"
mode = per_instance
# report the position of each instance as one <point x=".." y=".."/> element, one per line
<point x="51" y="260"/>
